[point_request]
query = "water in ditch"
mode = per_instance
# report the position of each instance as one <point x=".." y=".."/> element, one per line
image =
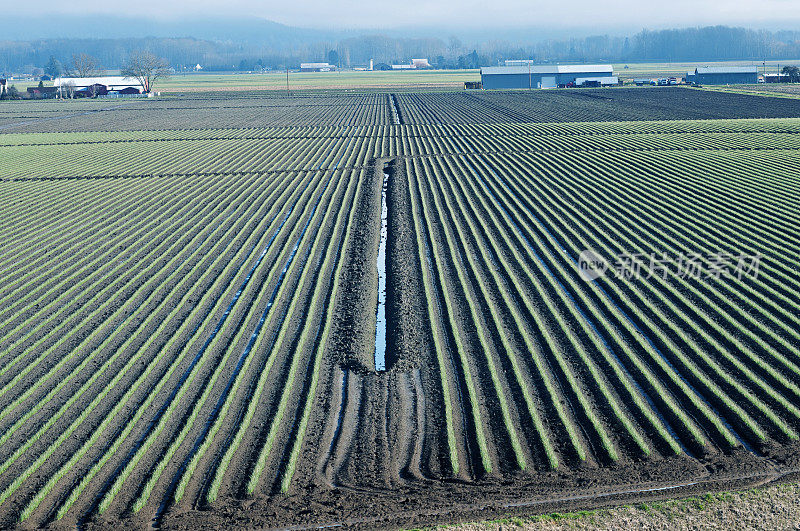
<point x="380" y="321"/>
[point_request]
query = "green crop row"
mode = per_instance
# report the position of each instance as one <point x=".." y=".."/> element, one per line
<point x="274" y="319"/>
<point x="619" y="239"/>
<point x="184" y="290"/>
<point x="247" y="311"/>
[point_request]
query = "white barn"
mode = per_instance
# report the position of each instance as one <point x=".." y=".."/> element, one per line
<point x="110" y="82"/>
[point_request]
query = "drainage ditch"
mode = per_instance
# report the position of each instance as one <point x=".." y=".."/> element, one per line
<point x="380" y="321"/>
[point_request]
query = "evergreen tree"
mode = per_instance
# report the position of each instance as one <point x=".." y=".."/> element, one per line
<point x="53" y="68"/>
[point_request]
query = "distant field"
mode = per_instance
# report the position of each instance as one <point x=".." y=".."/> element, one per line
<point x="265" y="109"/>
<point x="634" y="70"/>
<point x="780" y="90"/>
<point x="432" y="79"/>
<point x="399" y="80"/>
<point x="318" y="80"/>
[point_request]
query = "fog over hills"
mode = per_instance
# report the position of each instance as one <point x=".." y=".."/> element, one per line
<point x="253" y="30"/>
<point x="251" y="43"/>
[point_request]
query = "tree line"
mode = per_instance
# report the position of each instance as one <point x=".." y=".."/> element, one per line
<point x="713" y="43"/>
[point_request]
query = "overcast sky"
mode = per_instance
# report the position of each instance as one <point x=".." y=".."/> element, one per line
<point x="466" y="13"/>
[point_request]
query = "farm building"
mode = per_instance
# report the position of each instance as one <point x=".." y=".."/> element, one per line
<point x="777" y="78"/>
<point x="519" y="62"/>
<point x="43" y="92"/>
<point x="541" y="76"/>
<point x="317" y="67"/>
<point x="723" y="75"/>
<point x="606" y="81"/>
<point x="110" y="83"/>
<point x="420" y="63"/>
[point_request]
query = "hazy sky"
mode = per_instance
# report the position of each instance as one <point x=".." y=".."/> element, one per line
<point x="470" y="13"/>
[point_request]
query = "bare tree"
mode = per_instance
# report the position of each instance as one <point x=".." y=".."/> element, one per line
<point x="146" y="68"/>
<point x="67" y="89"/>
<point x="84" y="65"/>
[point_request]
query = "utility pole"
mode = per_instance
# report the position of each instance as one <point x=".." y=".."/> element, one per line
<point x="287" y="79"/>
<point x="530" y="83"/>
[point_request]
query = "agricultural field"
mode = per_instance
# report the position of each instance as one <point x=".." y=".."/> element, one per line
<point x="679" y="69"/>
<point x="345" y="79"/>
<point x="203" y="83"/>
<point x="782" y="90"/>
<point x="193" y="315"/>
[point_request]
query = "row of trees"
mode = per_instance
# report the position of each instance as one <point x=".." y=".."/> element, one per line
<point x="690" y="44"/>
<point x="792" y="72"/>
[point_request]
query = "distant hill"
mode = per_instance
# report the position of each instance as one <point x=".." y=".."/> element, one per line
<point x="244" y="30"/>
<point x="250" y="44"/>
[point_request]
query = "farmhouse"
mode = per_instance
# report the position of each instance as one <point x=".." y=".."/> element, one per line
<point x="723" y="75"/>
<point x="42" y="92"/>
<point x="543" y="76"/>
<point x="317" y="67"/>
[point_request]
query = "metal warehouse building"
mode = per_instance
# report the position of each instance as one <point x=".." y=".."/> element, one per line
<point x="723" y="75"/>
<point x="542" y="76"/>
<point x="317" y="67"/>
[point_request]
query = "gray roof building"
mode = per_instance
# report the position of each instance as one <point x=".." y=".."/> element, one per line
<point x="724" y="75"/>
<point x="540" y="76"/>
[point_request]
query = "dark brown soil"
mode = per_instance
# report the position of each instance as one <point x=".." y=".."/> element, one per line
<point x="376" y="449"/>
<point x="416" y="503"/>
